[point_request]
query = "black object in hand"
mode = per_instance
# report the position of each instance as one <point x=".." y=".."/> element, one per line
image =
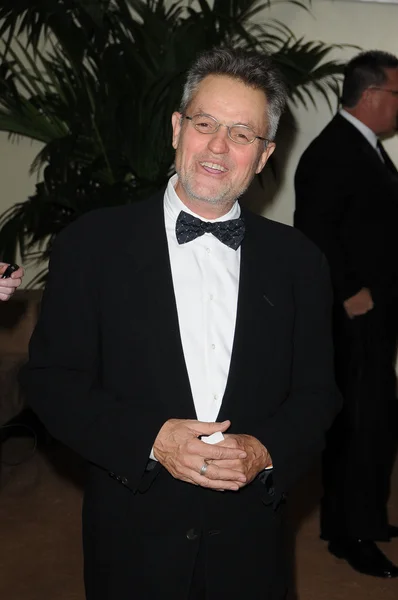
<point x="9" y="271"/>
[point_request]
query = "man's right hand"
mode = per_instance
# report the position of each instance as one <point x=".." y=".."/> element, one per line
<point x="359" y="304"/>
<point x="179" y="449"/>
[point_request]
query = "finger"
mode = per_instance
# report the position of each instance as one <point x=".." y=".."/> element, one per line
<point x="229" y="442"/>
<point x="193" y="477"/>
<point x="195" y="447"/>
<point x="10" y="283"/>
<point x="217" y="452"/>
<point x="18" y="274"/>
<point x="215" y="472"/>
<point x="216" y="484"/>
<point x="235" y="465"/>
<point x="204" y="428"/>
<point x="4" y="297"/>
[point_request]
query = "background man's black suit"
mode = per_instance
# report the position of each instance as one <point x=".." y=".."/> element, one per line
<point x="347" y="203"/>
<point x="113" y="372"/>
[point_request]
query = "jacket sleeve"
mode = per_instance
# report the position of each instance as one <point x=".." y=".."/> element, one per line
<point x="295" y="434"/>
<point x="62" y="379"/>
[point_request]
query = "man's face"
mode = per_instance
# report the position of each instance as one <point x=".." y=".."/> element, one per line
<point x="385" y="104"/>
<point x="211" y="168"/>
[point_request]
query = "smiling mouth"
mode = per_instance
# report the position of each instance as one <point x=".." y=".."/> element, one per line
<point x="211" y="167"/>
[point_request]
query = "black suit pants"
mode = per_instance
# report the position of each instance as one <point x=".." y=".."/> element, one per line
<point x="198" y="584"/>
<point x="361" y="444"/>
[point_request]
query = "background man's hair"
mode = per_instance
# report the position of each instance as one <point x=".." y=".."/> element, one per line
<point x="365" y="70"/>
<point x="251" y="68"/>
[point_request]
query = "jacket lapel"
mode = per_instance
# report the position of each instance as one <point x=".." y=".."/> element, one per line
<point x="148" y="250"/>
<point x="256" y="323"/>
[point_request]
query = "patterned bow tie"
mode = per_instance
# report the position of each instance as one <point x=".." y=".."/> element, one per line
<point x="229" y="232"/>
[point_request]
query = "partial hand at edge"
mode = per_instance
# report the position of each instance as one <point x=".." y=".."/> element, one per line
<point x="8" y="286"/>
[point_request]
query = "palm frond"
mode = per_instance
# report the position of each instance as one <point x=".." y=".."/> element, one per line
<point x="95" y="82"/>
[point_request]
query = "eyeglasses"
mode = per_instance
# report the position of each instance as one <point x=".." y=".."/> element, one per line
<point x="240" y="134"/>
<point x="379" y="89"/>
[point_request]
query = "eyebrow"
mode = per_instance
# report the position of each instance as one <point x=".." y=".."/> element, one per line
<point x="203" y="112"/>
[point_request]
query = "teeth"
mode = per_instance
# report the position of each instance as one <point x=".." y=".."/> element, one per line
<point x="213" y="166"/>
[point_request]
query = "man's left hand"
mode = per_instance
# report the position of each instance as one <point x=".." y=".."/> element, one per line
<point x="8" y="286"/>
<point x="257" y="459"/>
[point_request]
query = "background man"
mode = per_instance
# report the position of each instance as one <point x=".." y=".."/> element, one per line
<point x="347" y="202"/>
<point x="220" y="328"/>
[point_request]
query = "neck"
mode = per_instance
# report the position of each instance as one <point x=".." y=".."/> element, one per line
<point x="361" y="116"/>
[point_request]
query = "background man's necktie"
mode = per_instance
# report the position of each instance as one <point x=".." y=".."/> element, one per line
<point x="229" y="232"/>
<point x="386" y="159"/>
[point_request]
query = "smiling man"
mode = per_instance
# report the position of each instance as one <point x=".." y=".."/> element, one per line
<point x="202" y="390"/>
<point x="212" y="172"/>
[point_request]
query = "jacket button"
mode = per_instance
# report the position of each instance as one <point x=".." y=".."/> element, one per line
<point x="125" y="481"/>
<point x="271" y="491"/>
<point x="192" y="535"/>
<point x="111" y="475"/>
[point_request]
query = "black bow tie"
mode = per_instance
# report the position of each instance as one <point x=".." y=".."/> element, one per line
<point x="229" y="232"/>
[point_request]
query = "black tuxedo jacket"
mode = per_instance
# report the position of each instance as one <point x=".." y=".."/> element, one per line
<point x="107" y="369"/>
<point x="347" y="203"/>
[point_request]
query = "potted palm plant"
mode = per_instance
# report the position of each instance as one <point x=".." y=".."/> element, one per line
<point x="95" y="81"/>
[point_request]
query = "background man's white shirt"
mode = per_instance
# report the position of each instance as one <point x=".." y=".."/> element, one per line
<point x="364" y="129"/>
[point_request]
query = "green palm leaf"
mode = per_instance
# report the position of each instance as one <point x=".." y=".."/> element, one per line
<point x="96" y="81"/>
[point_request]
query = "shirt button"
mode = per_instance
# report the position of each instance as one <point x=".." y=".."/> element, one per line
<point x="213" y="346"/>
<point x="215" y="397"/>
<point x="208" y="250"/>
<point x="211" y="296"/>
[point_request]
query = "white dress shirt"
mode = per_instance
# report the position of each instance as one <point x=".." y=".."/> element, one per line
<point x="206" y="283"/>
<point x="364" y="129"/>
<point x="205" y="278"/>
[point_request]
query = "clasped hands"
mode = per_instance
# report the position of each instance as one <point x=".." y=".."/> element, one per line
<point x="231" y="464"/>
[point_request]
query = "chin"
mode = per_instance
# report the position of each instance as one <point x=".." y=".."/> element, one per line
<point x="209" y="194"/>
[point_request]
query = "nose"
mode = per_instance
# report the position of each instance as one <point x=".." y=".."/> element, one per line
<point x="219" y="141"/>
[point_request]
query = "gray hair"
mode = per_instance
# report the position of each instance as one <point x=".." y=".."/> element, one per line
<point x="251" y="68"/>
<point x="365" y="70"/>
